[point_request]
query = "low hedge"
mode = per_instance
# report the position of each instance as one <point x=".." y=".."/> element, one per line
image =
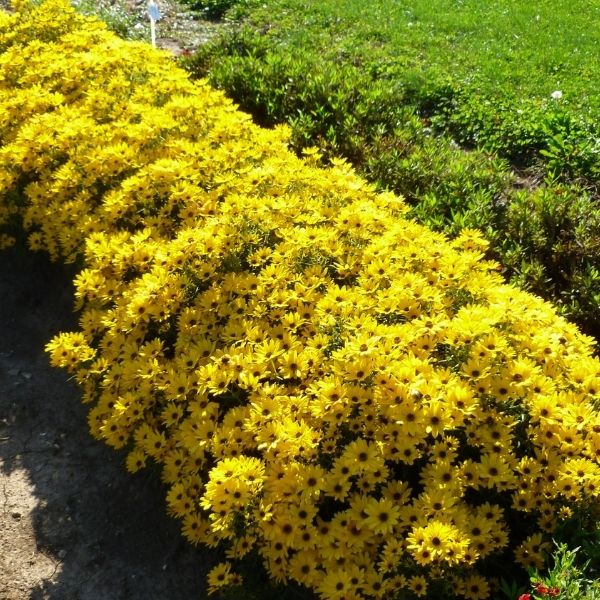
<point x="325" y="384"/>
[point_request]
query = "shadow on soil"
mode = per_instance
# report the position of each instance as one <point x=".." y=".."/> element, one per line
<point x="106" y="531"/>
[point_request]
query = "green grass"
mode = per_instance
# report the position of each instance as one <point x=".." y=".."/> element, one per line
<point x="526" y="49"/>
<point x="485" y="65"/>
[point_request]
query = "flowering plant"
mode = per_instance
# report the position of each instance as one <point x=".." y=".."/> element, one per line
<point x="353" y="398"/>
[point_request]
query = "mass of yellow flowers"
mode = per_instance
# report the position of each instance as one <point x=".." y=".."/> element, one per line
<point x="353" y="398"/>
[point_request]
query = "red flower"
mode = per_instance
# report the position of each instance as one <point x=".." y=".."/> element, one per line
<point x="524" y="597"/>
<point x="553" y="591"/>
<point x="542" y="589"/>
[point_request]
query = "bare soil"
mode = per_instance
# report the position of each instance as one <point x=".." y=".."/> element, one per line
<point x="179" y="30"/>
<point x="74" y="525"/>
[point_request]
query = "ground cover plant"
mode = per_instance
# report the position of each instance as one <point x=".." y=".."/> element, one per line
<point x="328" y="387"/>
<point x="393" y="86"/>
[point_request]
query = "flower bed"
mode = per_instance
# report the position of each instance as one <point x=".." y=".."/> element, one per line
<point x="323" y="382"/>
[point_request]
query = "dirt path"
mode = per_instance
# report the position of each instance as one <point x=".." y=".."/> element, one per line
<point x="74" y="525"/>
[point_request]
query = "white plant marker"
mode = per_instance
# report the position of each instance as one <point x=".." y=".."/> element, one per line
<point x="154" y="15"/>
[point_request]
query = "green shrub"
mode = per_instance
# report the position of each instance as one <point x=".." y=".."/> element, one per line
<point x="212" y="9"/>
<point x="565" y="580"/>
<point x="393" y="124"/>
<point x="552" y="247"/>
<point x="552" y="139"/>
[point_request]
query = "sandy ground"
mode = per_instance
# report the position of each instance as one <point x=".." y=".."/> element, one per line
<point x="74" y="525"/>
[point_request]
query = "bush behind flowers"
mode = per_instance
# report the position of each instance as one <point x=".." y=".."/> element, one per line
<point x="323" y="382"/>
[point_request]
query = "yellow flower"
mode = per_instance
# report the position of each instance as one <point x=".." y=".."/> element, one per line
<point x="531" y="553"/>
<point x="338" y="486"/>
<point x="360" y="456"/>
<point x="336" y="585"/>
<point x="303" y="566"/>
<point x="136" y="460"/>
<point x="292" y="365"/>
<point x="219" y="577"/>
<point x="418" y="585"/>
<point x="178" y="500"/>
<point x="437" y="541"/>
<point x="475" y="587"/>
<point x="494" y="471"/>
<point x="382" y="515"/>
<point x="195" y="529"/>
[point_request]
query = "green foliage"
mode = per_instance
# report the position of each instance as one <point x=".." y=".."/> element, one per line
<point x="449" y="189"/>
<point x="582" y="532"/>
<point x="213" y="9"/>
<point x="554" y="139"/>
<point x="551" y="246"/>
<point x="511" y="590"/>
<point x="420" y="119"/>
<point x="572" y="146"/>
<point x="506" y="125"/>
<point x="568" y="579"/>
<point x="573" y="571"/>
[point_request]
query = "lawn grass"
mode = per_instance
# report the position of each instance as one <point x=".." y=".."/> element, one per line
<point x="523" y="50"/>
<point x="488" y="69"/>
